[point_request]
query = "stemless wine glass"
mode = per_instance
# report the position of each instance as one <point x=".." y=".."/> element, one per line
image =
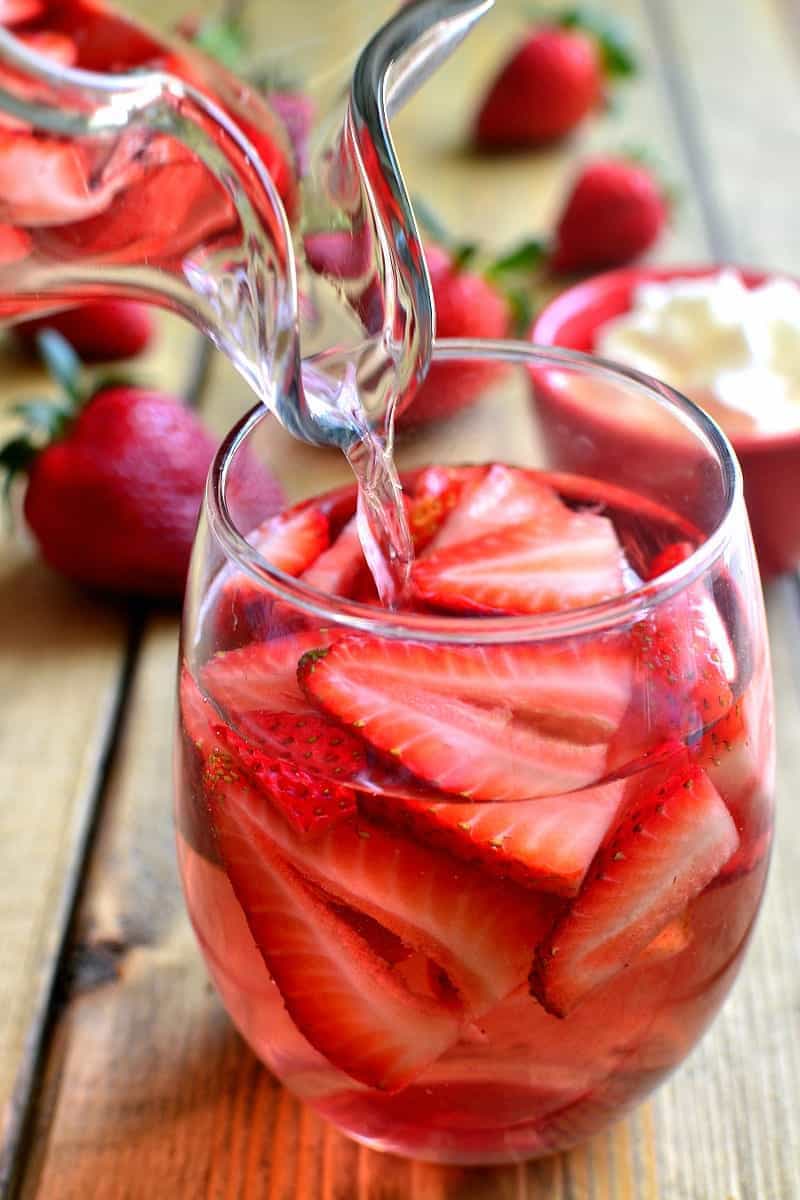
<point x="472" y="876"/>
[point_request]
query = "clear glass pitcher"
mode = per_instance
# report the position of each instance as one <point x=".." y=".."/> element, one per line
<point x="160" y="177"/>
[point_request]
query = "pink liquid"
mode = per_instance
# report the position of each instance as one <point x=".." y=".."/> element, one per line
<point x="515" y="1081"/>
<point x="140" y="197"/>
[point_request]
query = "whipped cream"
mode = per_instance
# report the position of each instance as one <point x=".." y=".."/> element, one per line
<point x="733" y="349"/>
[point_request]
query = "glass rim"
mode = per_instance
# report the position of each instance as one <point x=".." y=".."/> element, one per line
<point x="604" y="616"/>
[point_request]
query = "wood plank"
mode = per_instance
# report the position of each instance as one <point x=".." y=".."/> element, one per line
<point x="498" y="200"/>
<point x="146" y="1081"/>
<point x="730" y="1102"/>
<point x="745" y="132"/>
<point x="57" y="644"/>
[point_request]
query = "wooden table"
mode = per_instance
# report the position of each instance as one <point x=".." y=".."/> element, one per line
<point x="120" y="1076"/>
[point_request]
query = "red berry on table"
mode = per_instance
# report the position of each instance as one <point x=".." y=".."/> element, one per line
<point x="99" y="331"/>
<point x="114" y="481"/>
<point x="551" y="82"/>
<point x="543" y="91"/>
<point x="467" y="306"/>
<point x="614" y="212"/>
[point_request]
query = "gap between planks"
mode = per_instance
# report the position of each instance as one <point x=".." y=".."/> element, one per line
<point x="45" y="1010"/>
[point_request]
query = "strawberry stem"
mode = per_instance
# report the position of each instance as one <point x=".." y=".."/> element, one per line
<point x="63" y="364"/>
<point x="223" y="40"/>
<point x="45" y="421"/>
<point x="462" y="254"/>
<point x="527" y="256"/>
<point x="513" y="274"/>
<point x="15" y="457"/>
<point x="616" y="48"/>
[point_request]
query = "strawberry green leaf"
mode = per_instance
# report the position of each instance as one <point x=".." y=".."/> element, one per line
<point x="525" y="257"/>
<point x="619" y="58"/>
<point x="43" y="417"/>
<point x="522" y="308"/>
<point x="222" y="39"/>
<point x="464" y="254"/>
<point x="15" y="458"/>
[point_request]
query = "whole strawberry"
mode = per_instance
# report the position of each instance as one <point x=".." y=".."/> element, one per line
<point x="115" y="481"/>
<point x="99" y="331"/>
<point x="614" y="212"/>
<point x="552" y="81"/>
<point x="468" y="305"/>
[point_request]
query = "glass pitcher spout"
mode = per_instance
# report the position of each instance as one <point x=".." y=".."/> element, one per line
<point x="166" y="185"/>
<point x="141" y="185"/>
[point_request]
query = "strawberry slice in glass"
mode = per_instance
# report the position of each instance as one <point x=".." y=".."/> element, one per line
<point x="661" y="857"/>
<point x="502" y="496"/>
<point x="546" y="844"/>
<point x="561" y="560"/>
<point x="262" y="675"/>
<point x="478" y="930"/>
<point x="342" y="996"/>
<point x="290" y="542"/>
<point x="463" y="748"/>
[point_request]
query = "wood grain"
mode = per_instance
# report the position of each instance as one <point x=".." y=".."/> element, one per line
<point x="148" y="1093"/>
<point x="62" y="670"/>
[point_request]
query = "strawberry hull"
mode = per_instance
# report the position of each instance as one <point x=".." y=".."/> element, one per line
<point x="472" y="900"/>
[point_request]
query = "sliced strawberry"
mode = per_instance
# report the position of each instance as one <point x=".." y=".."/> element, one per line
<point x="738" y="754"/>
<point x="339" y="568"/>
<point x="14" y="244"/>
<point x="660" y="859"/>
<point x="669" y="557"/>
<point x="262" y="675"/>
<point x="437" y="491"/>
<point x="44" y="181"/>
<point x="198" y="715"/>
<point x="16" y="12"/>
<point x="547" y="843"/>
<point x="290" y="542"/>
<point x="462" y="748"/>
<point x="682" y="662"/>
<point x="311" y="803"/>
<point x="56" y="46"/>
<point x="479" y="931"/>
<point x="560" y="561"/>
<point x="343" y="997"/>
<point x="387" y="945"/>
<point x="315" y="741"/>
<point x="673" y="939"/>
<point x="310" y="740"/>
<point x="577" y="690"/>
<point x="503" y="496"/>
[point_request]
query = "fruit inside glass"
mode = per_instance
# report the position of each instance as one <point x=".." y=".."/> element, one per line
<point x="473" y="875"/>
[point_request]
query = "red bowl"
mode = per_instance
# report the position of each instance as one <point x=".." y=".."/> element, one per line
<point x="770" y="461"/>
